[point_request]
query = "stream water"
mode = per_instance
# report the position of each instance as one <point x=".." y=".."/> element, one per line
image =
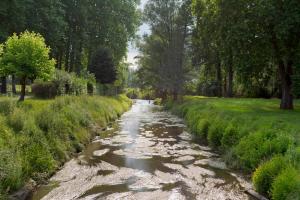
<point x="147" y="155"/>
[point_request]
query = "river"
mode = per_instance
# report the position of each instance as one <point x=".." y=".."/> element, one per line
<point x="147" y="154"/>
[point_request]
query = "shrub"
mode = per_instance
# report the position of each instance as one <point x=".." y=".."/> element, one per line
<point x="64" y="83"/>
<point x="37" y="159"/>
<point x="10" y="170"/>
<point x="265" y="174"/>
<point x="261" y="145"/>
<point x="231" y="137"/>
<point x="287" y="185"/>
<point x="133" y="93"/>
<point x="7" y="106"/>
<point x="293" y="155"/>
<point x="17" y="119"/>
<point x="203" y="127"/>
<point x="215" y="133"/>
<point x="44" y="90"/>
<point x="158" y="101"/>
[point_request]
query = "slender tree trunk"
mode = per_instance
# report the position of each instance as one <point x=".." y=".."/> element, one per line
<point x="175" y="95"/>
<point x="225" y="86"/>
<point x="286" y="72"/>
<point x="219" y="79"/>
<point x="230" y="81"/>
<point x="23" y="88"/>
<point x="13" y="84"/>
<point x="3" y="85"/>
<point x="68" y="52"/>
<point x="164" y="95"/>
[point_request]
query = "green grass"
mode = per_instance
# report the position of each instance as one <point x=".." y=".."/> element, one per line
<point x="38" y="136"/>
<point x="249" y="132"/>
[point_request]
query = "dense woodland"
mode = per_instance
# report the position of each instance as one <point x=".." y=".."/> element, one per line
<point x="222" y="48"/>
<point x="76" y="32"/>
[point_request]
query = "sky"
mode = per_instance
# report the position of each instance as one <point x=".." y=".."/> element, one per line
<point x="132" y="51"/>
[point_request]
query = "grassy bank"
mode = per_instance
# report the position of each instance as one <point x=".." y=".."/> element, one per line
<point x="255" y="136"/>
<point x="38" y="136"/>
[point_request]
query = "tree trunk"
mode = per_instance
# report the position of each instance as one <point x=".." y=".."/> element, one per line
<point x="175" y="95"/>
<point x="219" y="80"/>
<point x="3" y="85"/>
<point x="230" y="81"/>
<point x="286" y="72"/>
<point x="13" y="84"/>
<point x="164" y="95"/>
<point x="23" y="88"/>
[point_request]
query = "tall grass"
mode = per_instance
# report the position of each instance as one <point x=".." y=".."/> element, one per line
<point x="38" y="136"/>
<point x="249" y="133"/>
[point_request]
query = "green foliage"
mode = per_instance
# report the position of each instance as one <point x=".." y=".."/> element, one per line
<point x="136" y="93"/>
<point x="215" y="133"/>
<point x="164" y="60"/>
<point x="203" y="127"/>
<point x="248" y="131"/>
<point x="242" y="46"/>
<point x="133" y="93"/>
<point x="287" y="185"/>
<point x="38" y="136"/>
<point x="44" y="90"/>
<point x="27" y="56"/>
<point x="7" y="106"/>
<point x="103" y="67"/>
<point x="64" y="83"/>
<point x="10" y="170"/>
<point x="158" y="101"/>
<point x="264" y="175"/>
<point x="230" y="137"/>
<point x="252" y="149"/>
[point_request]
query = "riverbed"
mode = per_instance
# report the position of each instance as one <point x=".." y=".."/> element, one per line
<point x="147" y="154"/>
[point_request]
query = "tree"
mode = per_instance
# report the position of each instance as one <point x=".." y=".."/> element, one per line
<point x="280" y="21"/>
<point x="163" y="59"/>
<point x="103" y="67"/>
<point x="27" y="57"/>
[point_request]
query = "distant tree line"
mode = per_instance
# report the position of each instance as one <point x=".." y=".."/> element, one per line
<point x="75" y="30"/>
<point x="231" y="48"/>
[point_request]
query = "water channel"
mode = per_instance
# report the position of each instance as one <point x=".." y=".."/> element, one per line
<point x="147" y="154"/>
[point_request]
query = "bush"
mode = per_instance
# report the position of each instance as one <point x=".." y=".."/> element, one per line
<point x="44" y="90"/>
<point x="293" y="155"/>
<point x="261" y="145"/>
<point x="231" y="137"/>
<point x="264" y="175"/>
<point x="203" y="127"/>
<point x="287" y="185"/>
<point x="215" y="133"/>
<point x="158" y="101"/>
<point x="17" y="119"/>
<point x="133" y="93"/>
<point x="10" y="170"/>
<point x="64" y="83"/>
<point x="7" y="106"/>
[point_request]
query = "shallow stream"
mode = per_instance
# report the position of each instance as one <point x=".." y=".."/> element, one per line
<point x="148" y="154"/>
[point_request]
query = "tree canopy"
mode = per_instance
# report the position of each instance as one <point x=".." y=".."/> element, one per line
<point x="27" y="57"/>
<point x="102" y="65"/>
